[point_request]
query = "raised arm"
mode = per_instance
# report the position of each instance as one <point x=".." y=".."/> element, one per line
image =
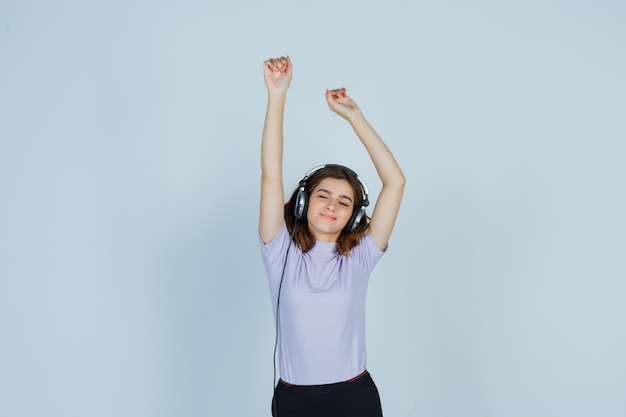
<point x="278" y="74"/>
<point x="393" y="180"/>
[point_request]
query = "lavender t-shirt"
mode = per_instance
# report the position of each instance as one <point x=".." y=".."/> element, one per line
<point x="322" y="308"/>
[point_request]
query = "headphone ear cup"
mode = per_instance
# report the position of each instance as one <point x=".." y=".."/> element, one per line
<point x="355" y="220"/>
<point x="302" y="202"/>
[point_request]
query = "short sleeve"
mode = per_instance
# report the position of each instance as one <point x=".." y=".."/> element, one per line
<point x="367" y="253"/>
<point x="274" y="251"/>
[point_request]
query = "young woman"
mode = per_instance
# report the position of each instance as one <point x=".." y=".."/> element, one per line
<point x="318" y="250"/>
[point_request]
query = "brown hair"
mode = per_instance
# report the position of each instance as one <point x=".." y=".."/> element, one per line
<point x="299" y="228"/>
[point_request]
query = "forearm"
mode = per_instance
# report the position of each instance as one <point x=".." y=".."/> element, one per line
<point x="386" y="165"/>
<point x="272" y="197"/>
<point x="272" y="138"/>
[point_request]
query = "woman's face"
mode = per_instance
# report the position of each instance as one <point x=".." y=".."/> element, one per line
<point x="330" y="207"/>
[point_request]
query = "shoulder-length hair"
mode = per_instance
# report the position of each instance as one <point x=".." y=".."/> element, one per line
<point x="299" y="228"/>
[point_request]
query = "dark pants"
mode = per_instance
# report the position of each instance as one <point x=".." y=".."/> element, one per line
<point x="357" y="397"/>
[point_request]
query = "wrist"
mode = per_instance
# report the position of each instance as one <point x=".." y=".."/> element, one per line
<point x="276" y="95"/>
<point x="357" y="119"/>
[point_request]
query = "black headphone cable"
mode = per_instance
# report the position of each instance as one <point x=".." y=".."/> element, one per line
<point x="280" y="286"/>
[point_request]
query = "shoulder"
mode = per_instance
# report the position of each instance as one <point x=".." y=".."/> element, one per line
<point x="367" y="251"/>
<point x="280" y="239"/>
<point x="275" y="251"/>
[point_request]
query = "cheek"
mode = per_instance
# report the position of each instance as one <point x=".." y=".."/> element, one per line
<point x="311" y="206"/>
<point x="346" y="213"/>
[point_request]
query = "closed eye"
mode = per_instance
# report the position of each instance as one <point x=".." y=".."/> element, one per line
<point x="343" y="200"/>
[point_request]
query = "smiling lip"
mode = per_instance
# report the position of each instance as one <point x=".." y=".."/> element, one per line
<point x="328" y="217"/>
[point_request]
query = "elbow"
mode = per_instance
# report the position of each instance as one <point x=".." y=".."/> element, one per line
<point x="268" y="175"/>
<point x="395" y="184"/>
<point x="398" y="182"/>
<point x="402" y="180"/>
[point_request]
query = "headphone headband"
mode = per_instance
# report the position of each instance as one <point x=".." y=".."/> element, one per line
<point x="364" y="189"/>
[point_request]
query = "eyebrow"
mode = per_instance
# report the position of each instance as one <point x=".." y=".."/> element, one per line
<point x="340" y="195"/>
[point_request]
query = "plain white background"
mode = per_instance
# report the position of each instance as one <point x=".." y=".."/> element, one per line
<point x="130" y="277"/>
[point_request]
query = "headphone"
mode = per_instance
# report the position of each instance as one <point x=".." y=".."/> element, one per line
<point x="302" y="198"/>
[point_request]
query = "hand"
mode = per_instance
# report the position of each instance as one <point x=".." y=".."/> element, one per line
<point x="340" y="103"/>
<point x="278" y="73"/>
